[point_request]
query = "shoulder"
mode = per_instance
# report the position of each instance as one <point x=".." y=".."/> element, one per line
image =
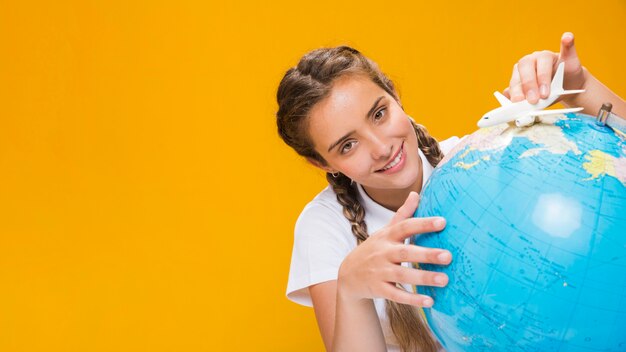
<point x="324" y="204"/>
<point x="322" y="238"/>
<point x="322" y="217"/>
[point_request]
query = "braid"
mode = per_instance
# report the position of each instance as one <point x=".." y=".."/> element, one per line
<point x="427" y="144"/>
<point x="401" y="316"/>
<point x="407" y="324"/>
<point x="410" y="328"/>
<point x="352" y="208"/>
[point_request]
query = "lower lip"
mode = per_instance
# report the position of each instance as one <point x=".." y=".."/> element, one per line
<point x="398" y="166"/>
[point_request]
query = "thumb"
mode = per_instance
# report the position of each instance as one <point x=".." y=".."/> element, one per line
<point x="407" y="209"/>
<point x="568" y="50"/>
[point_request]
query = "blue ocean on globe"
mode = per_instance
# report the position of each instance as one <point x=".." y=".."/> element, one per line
<point x="536" y="224"/>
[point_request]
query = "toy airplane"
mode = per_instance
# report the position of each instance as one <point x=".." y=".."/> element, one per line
<point x="523" y="112"/>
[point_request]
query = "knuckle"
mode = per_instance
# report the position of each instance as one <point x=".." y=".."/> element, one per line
<point x="429" y="278"/>
<point x="402" y="227"/>
<point x="437" y="279"/>
<point x="371" y="272"/>
<point x="403" y="254"/>
<point x="395" y="295"/>
<point x="419" y="254"/>
<point x="401" y="276"/>
<point x="413" y="300"/>
<point x="389" y="274"/>
<point x="544" y="77"/>
<point x="528" y="84"/>
<point x="528" y="80"/>
<point x="419" y="277"/>
<point x="433" y="256"/>
<point x="525" y="60"/>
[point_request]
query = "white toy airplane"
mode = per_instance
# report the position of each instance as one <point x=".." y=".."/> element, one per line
<point x="523" y="112"/>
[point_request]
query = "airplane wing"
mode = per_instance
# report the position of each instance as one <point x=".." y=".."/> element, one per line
<point x="548" y="112"/>
<point x="502" y="99"/>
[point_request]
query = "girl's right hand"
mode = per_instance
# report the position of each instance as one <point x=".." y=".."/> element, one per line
<point x="373" y="268"/>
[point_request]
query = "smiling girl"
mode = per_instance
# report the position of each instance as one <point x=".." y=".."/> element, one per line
<point x="339" y="111"/>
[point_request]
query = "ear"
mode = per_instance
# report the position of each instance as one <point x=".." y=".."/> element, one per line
<point x="320" y="165"/>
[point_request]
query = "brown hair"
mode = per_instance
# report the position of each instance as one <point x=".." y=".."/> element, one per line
<point x="300" y="89"/>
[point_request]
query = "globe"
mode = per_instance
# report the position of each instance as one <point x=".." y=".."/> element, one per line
<point x="536" y="224"/>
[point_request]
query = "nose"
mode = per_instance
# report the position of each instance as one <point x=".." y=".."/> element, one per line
<point x="380" y="149"/>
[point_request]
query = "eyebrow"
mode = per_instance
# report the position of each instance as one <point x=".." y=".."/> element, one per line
<point x="369" y="114"/>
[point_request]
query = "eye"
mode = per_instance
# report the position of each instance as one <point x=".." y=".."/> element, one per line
<point x="347" y="147"/>
<point x="380" y="114"/>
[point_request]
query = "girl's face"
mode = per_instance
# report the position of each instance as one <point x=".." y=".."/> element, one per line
<point x="362" y="132"/>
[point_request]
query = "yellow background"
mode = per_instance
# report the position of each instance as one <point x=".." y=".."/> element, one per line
<point x="146" y="201"/>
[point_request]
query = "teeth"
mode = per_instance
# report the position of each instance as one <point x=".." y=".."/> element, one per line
<point x="394" y="162"/>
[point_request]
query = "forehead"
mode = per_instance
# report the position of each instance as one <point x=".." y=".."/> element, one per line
<point x="350" y="98"/>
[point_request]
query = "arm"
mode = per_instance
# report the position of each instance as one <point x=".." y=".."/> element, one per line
<point x="361" y="316"/>
<point x="532" y="75"/>
<point x="344" y="308"/>
<point x="324" y="296"/>
<point x="596" y="94"/>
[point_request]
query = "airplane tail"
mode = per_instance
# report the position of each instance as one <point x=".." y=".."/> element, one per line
<point x="557" y="82"/>
<point x="576" y="91"/>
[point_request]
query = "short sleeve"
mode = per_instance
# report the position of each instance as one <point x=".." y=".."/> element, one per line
<point x="322" y="239"/>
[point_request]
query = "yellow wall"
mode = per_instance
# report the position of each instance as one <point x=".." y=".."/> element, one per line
<point x="146" y="201"/>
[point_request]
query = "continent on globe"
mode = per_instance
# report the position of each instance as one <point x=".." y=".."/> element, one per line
<point x="537" y="229"/>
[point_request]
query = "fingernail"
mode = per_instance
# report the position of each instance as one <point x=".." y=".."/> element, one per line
<point x="440" y="279"/>
<point x="427" y="302"/>
<point x="444" y="257"/>
<point x="544" y="90"/>
<point x="439" y="222"/>
<point x="531" y="95"/>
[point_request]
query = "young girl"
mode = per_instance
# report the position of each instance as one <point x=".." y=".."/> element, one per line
<point x="339" y="111"/>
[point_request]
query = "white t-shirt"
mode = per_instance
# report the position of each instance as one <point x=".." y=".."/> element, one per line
<point x="323" y="238"/>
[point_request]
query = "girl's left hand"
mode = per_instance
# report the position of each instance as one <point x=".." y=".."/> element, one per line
<point x="532" y="75"/>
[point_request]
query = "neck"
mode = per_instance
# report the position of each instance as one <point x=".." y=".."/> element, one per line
<point x="393" y="199"/>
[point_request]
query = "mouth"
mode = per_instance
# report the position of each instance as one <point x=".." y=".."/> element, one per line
<point x="395" y="162"/>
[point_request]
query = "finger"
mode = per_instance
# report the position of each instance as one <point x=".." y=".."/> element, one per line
<point x="568" y="55"/>
<point x="528" y="74"/>
<point x="391" y="292"/>
<point x="412" y="226"/>
<point x="515" y="86"/>
<point x="407" y="209"/>
<point x="506" y="93"/>
<point x="410" y="276"/>
<point x="545" y="63"/>
<point x="418" y="254"/>
<point x="568" y="50"/>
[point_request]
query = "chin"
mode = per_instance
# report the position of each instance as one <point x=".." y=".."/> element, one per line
<point x="407" y="180"/>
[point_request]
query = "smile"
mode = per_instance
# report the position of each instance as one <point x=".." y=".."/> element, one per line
<point x="393" y="163"/>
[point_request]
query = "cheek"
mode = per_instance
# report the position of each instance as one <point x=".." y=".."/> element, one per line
<point x="357" y="165"/>
<point x="399" y="124"/>
<point x="407" y="126"/>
